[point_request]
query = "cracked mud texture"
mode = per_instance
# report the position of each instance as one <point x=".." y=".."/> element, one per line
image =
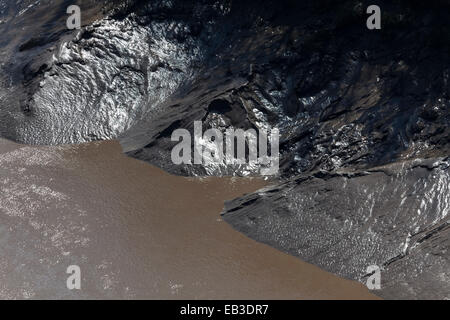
<point x="345" y="99"/>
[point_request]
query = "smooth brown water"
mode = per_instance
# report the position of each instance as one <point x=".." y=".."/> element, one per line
<point x="136" y="232"/>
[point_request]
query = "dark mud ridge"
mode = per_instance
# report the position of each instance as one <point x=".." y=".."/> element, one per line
<point x="363" y="115"/>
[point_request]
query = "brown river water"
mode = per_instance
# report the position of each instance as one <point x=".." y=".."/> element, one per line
<point x="135" y="232"/>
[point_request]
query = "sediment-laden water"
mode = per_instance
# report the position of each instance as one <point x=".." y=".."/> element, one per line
<point x="135" y="231"/>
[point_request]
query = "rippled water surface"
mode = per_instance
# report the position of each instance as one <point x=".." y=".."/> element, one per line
<point x="135" y="231"/>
